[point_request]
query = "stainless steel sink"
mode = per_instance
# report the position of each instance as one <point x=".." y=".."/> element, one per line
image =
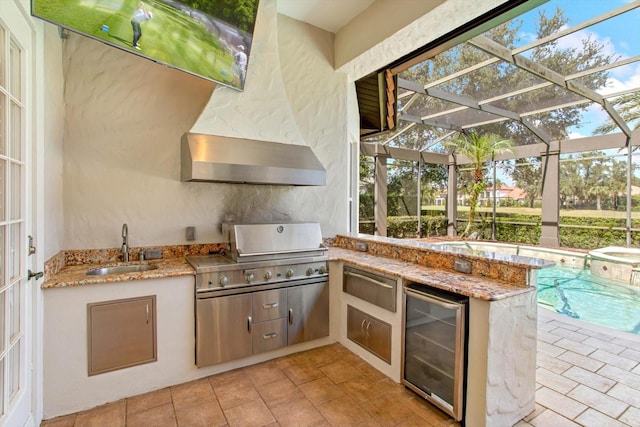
<point x="121" y="269"/>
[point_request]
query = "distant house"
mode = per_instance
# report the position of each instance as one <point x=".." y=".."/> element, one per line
<point x="503" y="192"/>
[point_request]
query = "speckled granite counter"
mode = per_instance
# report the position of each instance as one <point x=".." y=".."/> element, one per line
<point x="494" y="276"/>
<point x="475" y="287"/>
<point x="75" y="275"/>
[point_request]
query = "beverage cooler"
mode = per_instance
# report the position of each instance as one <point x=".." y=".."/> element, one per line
<point x="434" y="346"/>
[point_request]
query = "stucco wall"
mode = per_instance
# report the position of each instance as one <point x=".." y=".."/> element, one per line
<point x="125" y="115"/>
<point x="53" y="140"/>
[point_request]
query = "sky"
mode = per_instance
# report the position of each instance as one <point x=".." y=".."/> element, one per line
<point x="620" y="35"/>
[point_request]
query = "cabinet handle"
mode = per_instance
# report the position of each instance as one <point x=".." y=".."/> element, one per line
<point x="270" y="305"/>
<point x="362" y="325"/>
<point x="369" y="279"/>
<point x="147" y="313"/>
<point x="249" y="323"/>
<point x="291" y="316"/>
<point x="368" y="326"/>
<point x="269" y="335"/>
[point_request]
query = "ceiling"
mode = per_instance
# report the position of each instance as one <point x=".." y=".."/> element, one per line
<point x="330" y="15"/>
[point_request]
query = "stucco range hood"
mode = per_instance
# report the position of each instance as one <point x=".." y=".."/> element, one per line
<point x="210" y="158"/>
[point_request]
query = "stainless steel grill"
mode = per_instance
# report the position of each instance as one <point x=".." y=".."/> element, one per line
<point x="268" y="290"/>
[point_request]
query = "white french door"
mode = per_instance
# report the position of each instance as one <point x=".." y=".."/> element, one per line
<point x="16" y="326"/>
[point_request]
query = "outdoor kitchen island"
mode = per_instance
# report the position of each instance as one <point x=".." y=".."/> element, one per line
<point x="501" y="361"/>
<point x="502" y="330"/>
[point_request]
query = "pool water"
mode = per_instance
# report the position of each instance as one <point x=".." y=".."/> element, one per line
<point x="577" y="293"/>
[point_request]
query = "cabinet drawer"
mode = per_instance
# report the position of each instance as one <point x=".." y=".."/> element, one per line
<point x="369" y="332"/>
<point x="269" y="335"/>
<point x="269" y="305"/>
<point x="371" y="287"/>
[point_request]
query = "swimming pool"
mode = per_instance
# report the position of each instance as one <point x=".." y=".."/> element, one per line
<point x="577" y="293"/>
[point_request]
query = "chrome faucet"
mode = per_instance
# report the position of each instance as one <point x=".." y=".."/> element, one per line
<point x="125" y="243"/>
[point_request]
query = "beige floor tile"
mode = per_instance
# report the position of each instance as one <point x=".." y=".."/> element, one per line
<point x="227" y="377"/>
<point x="157" y="416"/>
<point x="607" y="346"/>
<point x="630" y="353"/>
<point x="206" y="414"/>
<point x="343" y="412"/>
<point x="552" y="364"/>
<point x="593" y="418"/>
<point x="303" y="373"/>
<point x="146" y="401"/>
<point x="588" y="378"/>
<point x="551" y="419"/>
<point x="613" y="359"/>
<point x="606" y="404"/>
<point x="581" y="361"/>
<point x="279" y="392"/>
<point x="626" y="394"/>
<point x="554" y="381"/>
<point x="388" y="410"/>
<point x="340" y="371"/>
<point x="550" y="349"/>
<point x="370" y="371"/>
<point x="235" y="394"/>
<point x="264" y="373"/>
<point x="251" y="414"/>
<point x="620" y="375"/>
<point x="557" y="402"/>
<point x="299" y="412"/>
<point x="190" y="394"/>
<point x="631" y="416"/>
<point x="537" y="411"/>
<point x="569" y="334"/>
<point x="575" y="346"/>
<point x="363" y="388"/>
<point x="112" y="415"/>
<point x="64" y="421"/>
<point x="321" y="390"/>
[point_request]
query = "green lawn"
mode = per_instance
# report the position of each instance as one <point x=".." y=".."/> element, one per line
<point x="170" y="37"/>
<point x="587" y="213"/>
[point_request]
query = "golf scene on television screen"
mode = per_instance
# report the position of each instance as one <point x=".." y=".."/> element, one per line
<point x="208" y="38"/>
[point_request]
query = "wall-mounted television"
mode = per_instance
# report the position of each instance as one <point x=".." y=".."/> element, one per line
<point x="208" y="38"/>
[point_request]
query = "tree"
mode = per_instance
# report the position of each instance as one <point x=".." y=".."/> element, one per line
<point x="628" y="106"/>
<point x="527" y="174"/>
<point x="479" y="149"/>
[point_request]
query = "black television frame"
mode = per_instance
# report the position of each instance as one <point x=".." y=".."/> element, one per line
<point x="176" y="35"/>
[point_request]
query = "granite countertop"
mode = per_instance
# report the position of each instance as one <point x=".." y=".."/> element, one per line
<point x="471" y="286"/>
<point x="75" y="275"/>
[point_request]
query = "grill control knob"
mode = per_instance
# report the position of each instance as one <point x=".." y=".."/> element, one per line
<point x="310" y="271"/>
<point x="322" y="269"/>
<point x="289" y="273"/>
<point x="249" y="277"/>
<point x="224" y="281"/>
<point x="267" y="275"/>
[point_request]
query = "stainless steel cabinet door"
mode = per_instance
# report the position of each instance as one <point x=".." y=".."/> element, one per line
<point x="308" y="312"/>
<point x="223" y="329"/>
<point x="371" y="333"/>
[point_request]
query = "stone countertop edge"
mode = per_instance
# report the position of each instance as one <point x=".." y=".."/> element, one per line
<point x="459" y="283"/>
<point x="462" y="252"/>
<point x="75" y="275"/>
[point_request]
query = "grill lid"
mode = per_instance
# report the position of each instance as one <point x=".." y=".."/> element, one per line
<point x="251" y="242"/>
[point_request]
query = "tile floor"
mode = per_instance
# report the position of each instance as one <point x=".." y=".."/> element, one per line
<point x="587" y="376"/>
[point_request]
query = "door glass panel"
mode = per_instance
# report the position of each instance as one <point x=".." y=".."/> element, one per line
<point x="16" y="191"/>
<point x="2" y="411"/>
<point x="3" y="297"/>
<point x="2" y="37"/>
<point x="15" y="249"/>
<point x="16" y="131"/>
<point x="2" y="261"/>
<point x="13" y="384"/>
<point x="3" y="106"/>
<point x="3" y="168"/>
<point x="14" y="311"/>
<point x="15" y="75"/>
